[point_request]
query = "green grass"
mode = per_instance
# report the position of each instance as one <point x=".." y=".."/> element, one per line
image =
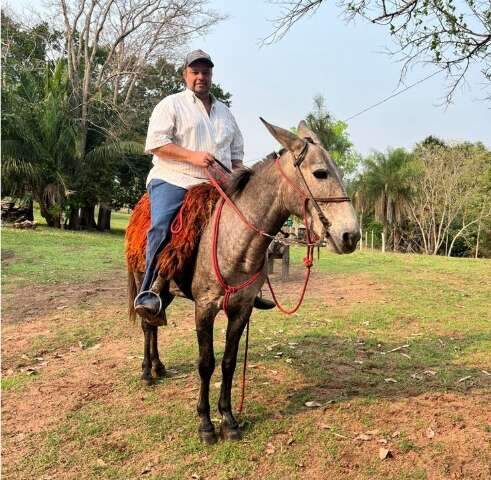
<point x="16" y="382"/>
<point x="51" y="256"/>
<point x="437" y="306"/>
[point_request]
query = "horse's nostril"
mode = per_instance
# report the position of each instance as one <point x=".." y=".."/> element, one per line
<point x="350" y="239"/>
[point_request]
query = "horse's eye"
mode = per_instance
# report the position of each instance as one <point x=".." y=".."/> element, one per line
<point x="320" y="174"/>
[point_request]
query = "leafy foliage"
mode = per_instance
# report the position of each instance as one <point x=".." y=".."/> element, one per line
<point x="333" y="135"/>
<point x="48" y="154"/>
<point x="38" y="139"/>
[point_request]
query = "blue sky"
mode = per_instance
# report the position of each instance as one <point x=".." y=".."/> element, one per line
<point x="324" y="55"/>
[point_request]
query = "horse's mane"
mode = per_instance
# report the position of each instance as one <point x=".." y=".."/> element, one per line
<point x="240" y="178"/>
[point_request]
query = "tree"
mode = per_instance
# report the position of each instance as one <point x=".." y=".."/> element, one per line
<point x="111" y="45"/>
<point x="117" y="55"/>
<point x="452" y="35"/>
<point x="25" y="49"/>
<point x="451" y="194"/>
<point x="110" y="42"/>
<point x="333" y="136"/>
<point x="38" y="139"/>
<point x="385" y="186"/>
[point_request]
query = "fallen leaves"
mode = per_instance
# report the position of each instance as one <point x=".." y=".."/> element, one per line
<point x="325" y="426"/>
<point x="429" y="432"/>
<point x="395" y="349"/>
<point x="419" y="376"/>
<point x="313" y="404"/>
<point x="384" y="453"/>
<point x="270" y="449"/>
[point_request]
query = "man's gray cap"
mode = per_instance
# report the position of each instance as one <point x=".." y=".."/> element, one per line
<point x="196" y="55"/>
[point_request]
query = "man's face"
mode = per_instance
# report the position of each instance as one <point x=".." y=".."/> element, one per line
<point x="198" y="77"/>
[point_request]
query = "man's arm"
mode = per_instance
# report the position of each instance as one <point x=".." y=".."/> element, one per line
<point x="171" y="151"/>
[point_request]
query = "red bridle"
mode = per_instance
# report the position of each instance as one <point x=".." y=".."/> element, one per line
<point x="308" y="259"/>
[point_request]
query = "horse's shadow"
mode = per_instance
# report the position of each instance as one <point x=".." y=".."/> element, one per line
<point x="336" y="369"/>
<point x="339" y="369"/>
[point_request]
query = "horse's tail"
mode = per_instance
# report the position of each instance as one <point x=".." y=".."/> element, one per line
<point x="132" y="292"/>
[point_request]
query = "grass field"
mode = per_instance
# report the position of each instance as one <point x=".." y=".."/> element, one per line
<point x="395" y="351"/>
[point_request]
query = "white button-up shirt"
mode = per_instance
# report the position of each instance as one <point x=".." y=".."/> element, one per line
<point x="182" y="119"/>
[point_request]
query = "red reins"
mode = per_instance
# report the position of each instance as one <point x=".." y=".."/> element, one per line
<point x="231" y="289"/>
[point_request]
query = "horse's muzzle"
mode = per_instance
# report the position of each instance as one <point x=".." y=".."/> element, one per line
<point x="350" y="240"/>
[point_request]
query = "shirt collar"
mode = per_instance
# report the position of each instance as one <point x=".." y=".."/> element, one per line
<point x="192" y="95"/>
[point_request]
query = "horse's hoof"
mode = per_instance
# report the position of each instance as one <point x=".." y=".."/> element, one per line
<point x="159" y="371"/>
<point x="229" y="433"/>
<point x="146" y="379"/>
<point x="208" y="437"/>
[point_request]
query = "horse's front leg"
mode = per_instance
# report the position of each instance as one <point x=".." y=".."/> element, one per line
<point x="237" y="320"/>
<point x="158" y="368"/>
<point x="146" y="375"/>
<point x="205" y="317"/>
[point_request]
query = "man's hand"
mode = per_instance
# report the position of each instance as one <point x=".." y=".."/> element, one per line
<point x="201" y="159"/>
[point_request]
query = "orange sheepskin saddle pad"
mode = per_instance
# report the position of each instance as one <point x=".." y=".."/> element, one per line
<point x="195" y="213"/>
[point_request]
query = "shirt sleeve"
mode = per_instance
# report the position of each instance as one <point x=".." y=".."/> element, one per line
<point x="237" y="145"/>
<point x="161" y="126"/>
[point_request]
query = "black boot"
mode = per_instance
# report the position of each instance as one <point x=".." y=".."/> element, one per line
<point x="149" y="304"/>
<point x="263" y="304"/>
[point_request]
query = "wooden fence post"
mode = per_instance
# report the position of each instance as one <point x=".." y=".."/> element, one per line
<point x="285" y="263"/>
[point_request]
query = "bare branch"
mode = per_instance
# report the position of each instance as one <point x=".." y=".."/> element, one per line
<point x="452" y="35"/>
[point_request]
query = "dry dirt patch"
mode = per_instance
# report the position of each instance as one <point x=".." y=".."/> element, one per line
<point x="34" y="301"/>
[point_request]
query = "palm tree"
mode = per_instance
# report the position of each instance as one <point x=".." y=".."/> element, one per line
<point x="38" y="139"/>
<point x="386" y="186"/>
<point x="39" y="146"/>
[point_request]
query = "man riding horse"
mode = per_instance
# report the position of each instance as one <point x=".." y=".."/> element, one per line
<point x="187" y="131"/>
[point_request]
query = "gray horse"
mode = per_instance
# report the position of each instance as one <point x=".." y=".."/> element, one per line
<point x="267" y="196"/>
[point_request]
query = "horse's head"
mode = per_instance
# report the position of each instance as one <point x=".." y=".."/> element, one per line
<point x="311" y="169"/>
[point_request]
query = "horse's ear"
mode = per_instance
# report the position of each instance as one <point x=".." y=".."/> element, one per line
<point x="305" y="132"/>
<point x="287" y="139"/>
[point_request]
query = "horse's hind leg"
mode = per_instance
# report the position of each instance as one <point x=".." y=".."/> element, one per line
<point x="205" y="317"/>
<point x="237" y="320"/>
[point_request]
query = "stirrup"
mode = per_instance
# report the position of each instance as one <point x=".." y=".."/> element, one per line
<point x="153" y="293"/>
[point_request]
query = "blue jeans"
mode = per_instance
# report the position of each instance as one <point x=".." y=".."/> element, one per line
<point x="165" y="201"/>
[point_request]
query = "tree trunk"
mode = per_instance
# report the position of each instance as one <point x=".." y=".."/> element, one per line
<point x="477" y="239"/>
<point x="52" y="219"/>
<point x="104" y="218"/>
<point x="87" y="217"/>
<point x="29" y="209"/>
<point x="74" y="219"/>
<point x="384" y="236"/>
<point x="361" y="232"/>
<point x="396" y="238"/>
